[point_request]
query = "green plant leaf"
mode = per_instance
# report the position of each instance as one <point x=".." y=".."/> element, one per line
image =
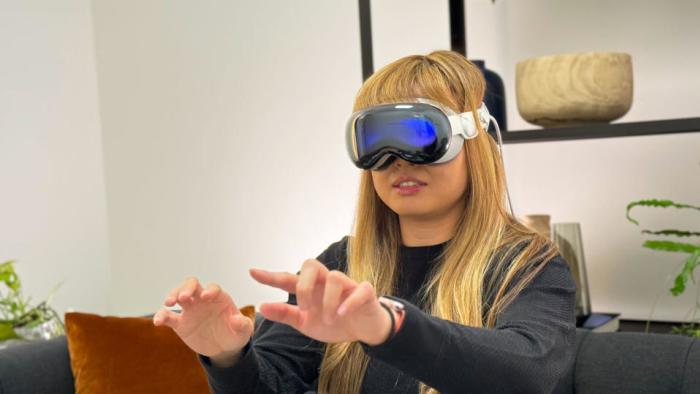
<point x="686" y="272"/>
<point x="686" y="329"/>
<point x="18" y="311"/>
<point x="8" y="275"/>
<point x="6" y="331"/>
<point x="678" y="233"/>
<point x="670" y="246"/>
<point x="655" y="204"/>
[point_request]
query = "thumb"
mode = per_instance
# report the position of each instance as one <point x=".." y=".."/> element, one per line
<point x="241" y="323"/>
<point x="166" y="317"/>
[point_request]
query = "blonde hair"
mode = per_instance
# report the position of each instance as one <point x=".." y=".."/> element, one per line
<point x="484" y="231"/>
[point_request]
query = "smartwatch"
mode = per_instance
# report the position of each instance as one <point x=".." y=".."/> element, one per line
<point x="398" y="308"/>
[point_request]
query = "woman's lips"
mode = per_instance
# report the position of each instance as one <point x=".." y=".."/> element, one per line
<point x="409" y="190"/>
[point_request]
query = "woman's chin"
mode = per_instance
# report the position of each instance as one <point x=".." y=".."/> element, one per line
<point x="409" y="208"/>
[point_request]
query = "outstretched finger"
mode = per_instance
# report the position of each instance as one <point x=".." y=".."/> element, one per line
<point x="171" y="299"/>
<point x="283" y="313"/>
<point x="337" y="284"/>
<point x="280" y="280"/>
<point x="214" y="293"/>
<point x="190" y="291"/>
<point x="313" y="273"/>
<point x="363" y="294"/>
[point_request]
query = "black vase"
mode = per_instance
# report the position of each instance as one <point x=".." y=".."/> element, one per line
<point x="495" y="97"/>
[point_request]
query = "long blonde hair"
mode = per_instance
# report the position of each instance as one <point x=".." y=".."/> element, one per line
<point x="484" y="231"/>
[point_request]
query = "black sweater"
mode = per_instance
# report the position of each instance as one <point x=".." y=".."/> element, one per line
<point x="530" y="349"/>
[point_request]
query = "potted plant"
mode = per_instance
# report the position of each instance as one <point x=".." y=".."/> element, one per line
<point x="18" y="318"/>
<point x="692" y="258"/>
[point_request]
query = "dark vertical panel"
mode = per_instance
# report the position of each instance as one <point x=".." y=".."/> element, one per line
<point x="458" y="35"/>
<point x="366" y="39"/>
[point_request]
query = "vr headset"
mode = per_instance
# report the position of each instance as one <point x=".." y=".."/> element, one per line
<point x="422" y="131"/>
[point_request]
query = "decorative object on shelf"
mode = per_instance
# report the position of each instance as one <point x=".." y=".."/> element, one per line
<point x="495" y="96"/>
<point x="692" y="250"/>
<point x="18" y="319"/>
<point x="574" y="89"/>
<point x="539" y="223"/>
<point x="567" y="237"/>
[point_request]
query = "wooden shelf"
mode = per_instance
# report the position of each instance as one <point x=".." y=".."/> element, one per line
<point x="603" y="130"/>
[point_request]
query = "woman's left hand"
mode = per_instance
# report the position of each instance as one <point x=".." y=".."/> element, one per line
<point x="321" y="294"/>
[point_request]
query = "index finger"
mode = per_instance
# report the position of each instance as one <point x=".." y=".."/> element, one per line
<point x="173" y="296"/>
<point x="280" y="280"/>
<point x="312" y="272"/>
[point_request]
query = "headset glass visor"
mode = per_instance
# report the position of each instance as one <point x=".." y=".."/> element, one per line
<point x="420" y="132"/>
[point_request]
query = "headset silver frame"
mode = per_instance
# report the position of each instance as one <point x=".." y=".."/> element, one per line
<point x="463" y="128"/>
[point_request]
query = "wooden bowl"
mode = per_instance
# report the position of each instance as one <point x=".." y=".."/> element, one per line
<point x="573" y="89"/>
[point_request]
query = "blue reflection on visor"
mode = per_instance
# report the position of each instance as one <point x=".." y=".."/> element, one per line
<point x="412" y="133"/>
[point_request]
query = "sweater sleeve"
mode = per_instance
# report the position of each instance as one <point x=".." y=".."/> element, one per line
<point x="278" y="359"/>
<point x="529" y="350"/>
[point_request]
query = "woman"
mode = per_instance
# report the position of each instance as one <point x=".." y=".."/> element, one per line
<point x="481" y="303"/>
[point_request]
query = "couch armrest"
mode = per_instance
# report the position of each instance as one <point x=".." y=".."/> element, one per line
<point x="41" y="366"/>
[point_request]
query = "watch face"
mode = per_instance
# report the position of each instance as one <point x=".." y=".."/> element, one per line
<point x="395" y="305"/>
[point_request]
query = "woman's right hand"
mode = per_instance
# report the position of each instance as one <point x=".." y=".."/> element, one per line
<point x="210" y="323"/>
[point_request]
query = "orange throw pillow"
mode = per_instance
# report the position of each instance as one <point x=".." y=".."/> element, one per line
<point x="130" y="355"/>
<point x="248" y="311"/>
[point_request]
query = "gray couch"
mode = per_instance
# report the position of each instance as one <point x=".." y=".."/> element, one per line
<point x="618" y="362"/>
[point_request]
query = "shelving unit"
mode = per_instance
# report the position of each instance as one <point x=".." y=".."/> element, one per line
<point x="604" y="130"/>
<point x="458" y="44"/>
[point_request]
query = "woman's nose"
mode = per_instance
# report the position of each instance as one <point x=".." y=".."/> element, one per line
<point x="401" y="162"/>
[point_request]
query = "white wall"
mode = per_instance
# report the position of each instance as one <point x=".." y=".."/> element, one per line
<point x="212" y="166"/>
<point x="408" y="27"/>
<point x="592" y="181"/>
<point x="52" y="203"/>
<point x="223" y="132"/>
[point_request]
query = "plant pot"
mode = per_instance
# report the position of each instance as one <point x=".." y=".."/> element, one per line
<point x="46" y="330"/>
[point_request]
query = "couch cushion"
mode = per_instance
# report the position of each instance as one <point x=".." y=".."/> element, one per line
<point x="38" y="367"/>
<point x="632" y="362"/>
<point x="691" y="380"/>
